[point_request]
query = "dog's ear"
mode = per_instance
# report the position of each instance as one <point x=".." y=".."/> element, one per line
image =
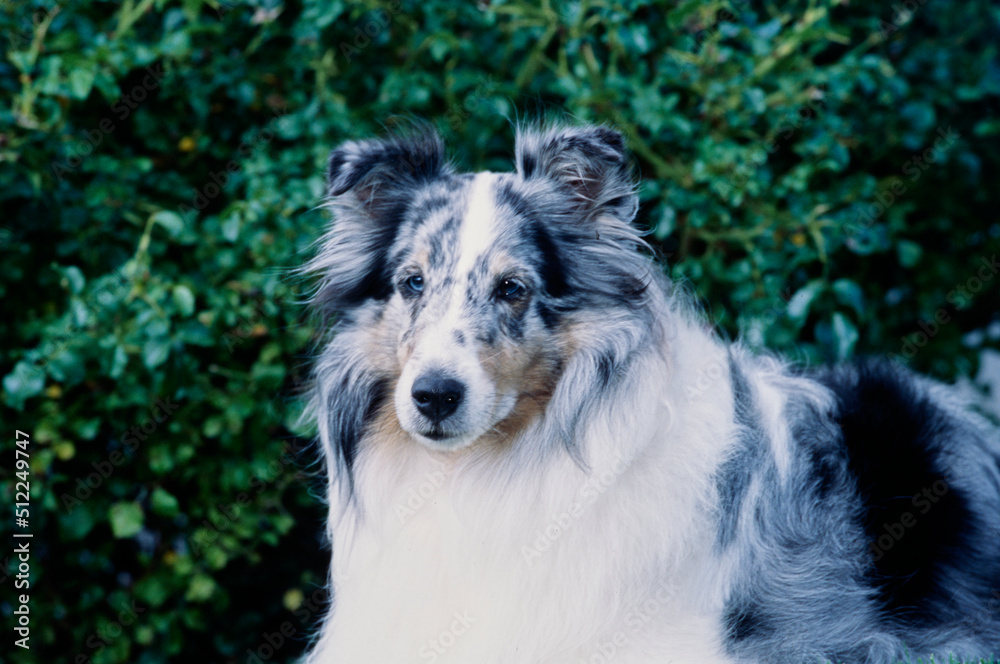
<point x="374" y="173"/>
<point x="589" y="163"/>
<point x="369" y="185"/>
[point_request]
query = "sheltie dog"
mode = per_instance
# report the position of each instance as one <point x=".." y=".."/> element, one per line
<point x="539" y="453"/>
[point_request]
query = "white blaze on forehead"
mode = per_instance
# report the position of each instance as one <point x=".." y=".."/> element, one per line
<point x="476" y="233"/>
<point x="435" y="346"/>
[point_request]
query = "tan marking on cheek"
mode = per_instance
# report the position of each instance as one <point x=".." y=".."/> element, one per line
<point x="532" y="373"/>
<point x="385" y="435"/>
<point x="385" y="425"/>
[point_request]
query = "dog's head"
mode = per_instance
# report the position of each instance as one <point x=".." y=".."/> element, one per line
<point x="468" y="296"/>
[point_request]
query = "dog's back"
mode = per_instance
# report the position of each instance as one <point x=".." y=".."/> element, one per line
<point x="884" y="543"/>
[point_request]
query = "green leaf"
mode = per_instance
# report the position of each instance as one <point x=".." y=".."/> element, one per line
<point x="908" y="252"/>
<point x="200" y="589"/>
<point x="24" y="382"/>
<point x="73" y="279"/>
<point x="163" y="503"/>
<point x="849" y="293"/>
<point x="184" y="299"/>
<point x="172" y="222"/>
<point x="152" y="591"/>
<point x="155" y="352"/>
<point x="846" y="335"/>
<point x="126" y="519"/>
<point x="118" y="362"/>
<point x="81" y="81"/>
<point x="838" y="335"/>
<point x="77" y="522"/>
<point x="800" y="303"/>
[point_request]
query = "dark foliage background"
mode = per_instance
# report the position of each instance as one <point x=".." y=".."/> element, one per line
<point x="825" y="174"/>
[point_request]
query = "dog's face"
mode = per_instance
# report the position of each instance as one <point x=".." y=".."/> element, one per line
<point x="474" y="283"/>
<point x="470" y="287"/>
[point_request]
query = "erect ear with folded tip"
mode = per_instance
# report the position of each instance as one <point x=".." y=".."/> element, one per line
<point x="370" y="184"/>
<point x="591" y="163"/>
<point x="375" y="172"/>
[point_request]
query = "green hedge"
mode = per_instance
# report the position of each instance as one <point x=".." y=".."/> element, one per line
<point x="823" y="174"/>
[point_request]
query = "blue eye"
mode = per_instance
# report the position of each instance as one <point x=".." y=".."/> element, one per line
<point x="415" y="283"/>
<point x="509" y="289"/>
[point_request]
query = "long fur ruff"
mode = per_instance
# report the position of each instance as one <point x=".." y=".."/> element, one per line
<point x="592" y="474"/>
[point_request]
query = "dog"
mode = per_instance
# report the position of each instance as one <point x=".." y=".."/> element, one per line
<point x="538" y="452"/>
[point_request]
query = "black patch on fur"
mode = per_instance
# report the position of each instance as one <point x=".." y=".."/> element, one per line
<point x="736" y="473"/>
<point x="549" y="317"/>
<point x="437" y="252"/>
<point x="894" y="436"/>
<point x="745" y="620"/>
<point x="354" y="408"/>
<point x="528" y="165"/>
<point x="551" y="268"/>
<point x="512" y="319"/>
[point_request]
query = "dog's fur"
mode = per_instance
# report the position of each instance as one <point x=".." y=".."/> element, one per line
<point x="615" y="483"/>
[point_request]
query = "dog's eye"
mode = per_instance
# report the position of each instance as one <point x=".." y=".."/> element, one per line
<point x="414" y="284"/>
<point x="509" y="289"/>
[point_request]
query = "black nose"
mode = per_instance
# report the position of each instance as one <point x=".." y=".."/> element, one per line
<point x="437" y="397"/>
